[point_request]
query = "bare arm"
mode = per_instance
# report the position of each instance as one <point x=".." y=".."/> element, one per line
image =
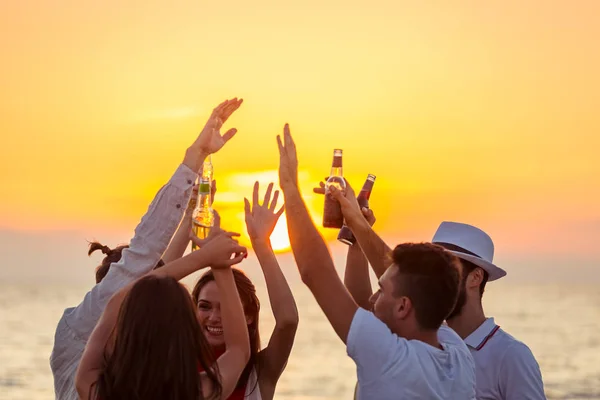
<point x="376" y="250"/>
<point x="261" y="221"/>
<point x="356" y="276"/>
<point x="231" y="364"/>
<point x="310" y="251"/>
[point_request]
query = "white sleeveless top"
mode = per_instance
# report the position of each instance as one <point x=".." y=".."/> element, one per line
<point x="252" y="387"/>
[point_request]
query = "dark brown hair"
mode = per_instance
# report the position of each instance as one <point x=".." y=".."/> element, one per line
<point x="429" y="276"/>
<point x="469" y="267"/>
<point x="112" y="256"/>
<point x="251" y="304"/>
<point x="158" y="346"/>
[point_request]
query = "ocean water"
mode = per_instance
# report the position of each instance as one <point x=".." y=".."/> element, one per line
<point x="559" y="321"/>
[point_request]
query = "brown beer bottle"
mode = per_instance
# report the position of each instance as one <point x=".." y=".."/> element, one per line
<point x="332" y="215"/>
<point x="346" y="235"/>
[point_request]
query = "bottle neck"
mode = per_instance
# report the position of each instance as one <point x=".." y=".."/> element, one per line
<point x="364" y="195"/>
<point x="336" y="171"/>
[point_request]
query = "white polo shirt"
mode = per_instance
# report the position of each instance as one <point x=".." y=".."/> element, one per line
<point x="390" y="367"/>
<point x="505" y="367"/>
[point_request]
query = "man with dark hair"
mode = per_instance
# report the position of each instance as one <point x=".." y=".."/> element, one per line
<point x="400" y="349"/>
<point x="506" y="367"/>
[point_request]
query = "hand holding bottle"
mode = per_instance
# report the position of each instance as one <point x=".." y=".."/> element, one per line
<point x="261" y="219"/>
<point x="194" y="198"/>
<point x="347" y="199"/>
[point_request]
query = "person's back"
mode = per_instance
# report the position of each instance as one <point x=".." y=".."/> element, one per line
<point x="391" y="367"/>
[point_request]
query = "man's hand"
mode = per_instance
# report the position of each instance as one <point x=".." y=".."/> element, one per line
<point x="288" y="161"/>
<point x="347" y="200"/>
<point x="261" y="219"/>
<point x="369" y="216"/>
<point x="210" y="139"/>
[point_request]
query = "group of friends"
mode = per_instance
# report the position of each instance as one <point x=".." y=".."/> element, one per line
<point x="423" y="334"/>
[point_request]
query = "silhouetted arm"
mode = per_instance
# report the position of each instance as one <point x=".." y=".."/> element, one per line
<point x="310" y="251"/>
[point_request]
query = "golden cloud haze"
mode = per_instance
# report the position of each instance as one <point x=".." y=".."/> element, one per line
<point x="484" y="112"/>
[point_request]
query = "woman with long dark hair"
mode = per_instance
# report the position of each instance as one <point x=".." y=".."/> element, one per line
<point x="149" y="345"/>
<point x="259" y="379"/>
<point x="125" y="264"/>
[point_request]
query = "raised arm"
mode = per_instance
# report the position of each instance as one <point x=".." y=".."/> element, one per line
<point x="260" y="222"/>
<point x="157" y="227"/>
<point x="231" y="364"/>
<point x="372" y="245"/>
<point x="219" y="253"/>
<point x="356" y="275"/>
<point x="310" y="251"/>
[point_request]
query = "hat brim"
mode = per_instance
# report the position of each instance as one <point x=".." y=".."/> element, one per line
<point x="493" y="271"/>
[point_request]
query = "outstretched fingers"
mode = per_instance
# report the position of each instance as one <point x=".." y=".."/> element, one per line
<point x="281" y="210"/>
<point x="320" y="189"/>
<point x="227" y="136"/>
<point x="274" y="201"/>
<point x="268" y="195"/>
<point x="255" y="195"/>
<point x="247" y="209"/>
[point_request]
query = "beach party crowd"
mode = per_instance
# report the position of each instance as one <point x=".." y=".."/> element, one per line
<point x="421" y="334"/>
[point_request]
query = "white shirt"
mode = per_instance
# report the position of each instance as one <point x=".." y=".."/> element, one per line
<point x="253" y="387"/>
<point x="506" y="368"/>
<point x="391" y="367"/>
<point x="152" y="236"/>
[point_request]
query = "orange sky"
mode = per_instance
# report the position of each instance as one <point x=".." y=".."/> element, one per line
<point x="478" y="112"/>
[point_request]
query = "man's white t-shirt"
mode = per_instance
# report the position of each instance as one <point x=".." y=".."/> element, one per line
<point x="391" y="367"/>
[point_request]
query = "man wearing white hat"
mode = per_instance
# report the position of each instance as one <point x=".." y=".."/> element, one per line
<point x="505" y="367"/>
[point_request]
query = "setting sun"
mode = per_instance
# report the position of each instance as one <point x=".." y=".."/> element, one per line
<point x="280" y="240"/>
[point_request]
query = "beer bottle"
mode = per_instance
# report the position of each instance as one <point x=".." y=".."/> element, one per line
<point x="203" y="217"/>
<point x="332" y="214"/>
<point x="346" y="235"/>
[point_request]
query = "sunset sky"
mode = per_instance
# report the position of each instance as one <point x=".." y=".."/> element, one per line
<point x="480" y="112"/>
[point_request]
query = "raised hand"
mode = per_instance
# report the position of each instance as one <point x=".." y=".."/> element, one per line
<point x="261" y="219"/>
<point x="288" y="161"/>
<point x="210" y="140"/>
<point x="223" y="250"/>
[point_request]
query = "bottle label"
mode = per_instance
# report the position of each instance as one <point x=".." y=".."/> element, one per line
<point x="204" y="188"/>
